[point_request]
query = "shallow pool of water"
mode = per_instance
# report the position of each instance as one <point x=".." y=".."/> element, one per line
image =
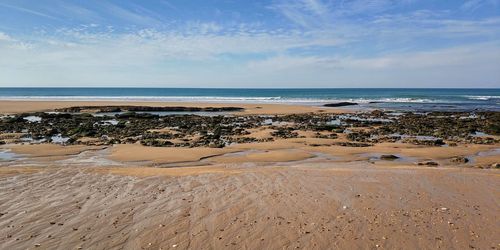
<point x="377" y="157"/>
<point x="7" y="155"/>
<point x="59" y="139"/>
<point x="33" y="118"/>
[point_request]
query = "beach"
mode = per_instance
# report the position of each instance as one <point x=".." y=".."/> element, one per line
<point x="268" y="176"/>
<point x="9" y="107"/>
<point x="249" y="125"/>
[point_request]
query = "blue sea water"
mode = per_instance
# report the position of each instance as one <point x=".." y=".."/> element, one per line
<point x="399" y="99"/>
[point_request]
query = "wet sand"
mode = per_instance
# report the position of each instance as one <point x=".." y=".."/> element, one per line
<point x="348" y="206"/>
<point x="301" y="193"/>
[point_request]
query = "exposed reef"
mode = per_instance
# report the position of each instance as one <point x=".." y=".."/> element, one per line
<point x="140" y="124"/>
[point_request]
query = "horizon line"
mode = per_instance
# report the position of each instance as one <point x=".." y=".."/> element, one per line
<point x="263" y="88"/>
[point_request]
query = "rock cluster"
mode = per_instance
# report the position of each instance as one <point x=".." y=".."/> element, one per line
<point x="111" y="109"/>
<point x="131" y="124"/>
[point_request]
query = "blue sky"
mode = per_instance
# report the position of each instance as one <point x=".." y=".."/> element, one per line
<point x="229" y="43"/>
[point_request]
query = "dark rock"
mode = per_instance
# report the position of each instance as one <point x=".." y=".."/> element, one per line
<point x="460" y="160"/>
<point x="340" y="104"/>
<point x="326" y="127"/>
<point x="218" y="131"/>
<point x="285" y="133"/>
<point x="328" y="136"/>
<point x="377" y="113"/>
<point x="131" y="114"/>
<point x="353" y="144"/>
<point x="389" y="157"/>
<point x="107" y="109"/>
<point x="428" y="163"/>
<point x="436" y="142"/>
<point x="216" y="145"/>
<point x="360" y="136"/>
<point x="156" y="143"/>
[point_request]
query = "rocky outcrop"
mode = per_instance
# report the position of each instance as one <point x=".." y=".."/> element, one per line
<point x="340" y="104"/>
<point x="108" y="109"/>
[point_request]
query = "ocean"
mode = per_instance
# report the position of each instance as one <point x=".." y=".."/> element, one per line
<point x="383" y="98"/>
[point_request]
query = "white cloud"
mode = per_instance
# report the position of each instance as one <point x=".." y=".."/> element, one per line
<point x="206" y="43"/>
<point x="5" y="37"/>
<point x="471" y="56"/>
<point x="283" y="63"/>
<point x="450" y="67"/>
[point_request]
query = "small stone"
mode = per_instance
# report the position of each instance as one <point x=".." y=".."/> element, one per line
<point x="428" y="163"/>
<point x="174" y="246"/>
<point x="460" y="160"/>
<point x="38" y="245"/>
<point x="389" y="157"/>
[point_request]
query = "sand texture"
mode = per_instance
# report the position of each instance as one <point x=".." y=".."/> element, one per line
<point x="301" y="207"/>
<point x="307" y="192"/>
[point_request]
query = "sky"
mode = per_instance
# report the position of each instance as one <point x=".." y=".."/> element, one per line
<point x="258" y="44"/>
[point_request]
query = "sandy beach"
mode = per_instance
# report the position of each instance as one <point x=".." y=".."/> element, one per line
<point x="249" y="125"/>
<point x="290" y="187"/>
<point x="10" y="107"/>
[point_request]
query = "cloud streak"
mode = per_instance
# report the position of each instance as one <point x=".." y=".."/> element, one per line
<point x="28" y="11"/>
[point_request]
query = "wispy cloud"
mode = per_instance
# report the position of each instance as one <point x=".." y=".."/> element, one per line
<point x="473" y="5"/>
<point x="189" y="57"/>
<point x="456" y="66"/>
<point x="131" y="15"/>
<point x="28" y="11"/>
<point x="321" y="13"/>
